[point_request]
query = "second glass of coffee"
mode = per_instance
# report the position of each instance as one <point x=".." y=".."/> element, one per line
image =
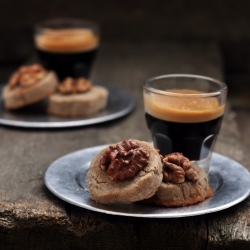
<point x="184" y="114"/>
<point x="67" y="46"/>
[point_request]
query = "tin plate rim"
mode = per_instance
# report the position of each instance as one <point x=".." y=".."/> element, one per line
<point x="120" y="103"/>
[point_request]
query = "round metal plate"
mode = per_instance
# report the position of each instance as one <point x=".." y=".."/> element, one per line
<point x="120" y="103"/>
<point x="66" y="178"/>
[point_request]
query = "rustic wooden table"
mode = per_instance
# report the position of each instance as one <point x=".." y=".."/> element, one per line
<point x="33" y="218"/>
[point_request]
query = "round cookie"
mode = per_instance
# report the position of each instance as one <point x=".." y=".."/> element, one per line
<point x="19" y="97"/>
<point x="142" y="186"/>
<point x="182" y="194"/>
<point x="80" y="104"/>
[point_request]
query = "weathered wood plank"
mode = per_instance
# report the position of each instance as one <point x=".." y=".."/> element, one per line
<point x="32" y="218"/>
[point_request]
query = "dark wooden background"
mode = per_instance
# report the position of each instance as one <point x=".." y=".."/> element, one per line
<point x="139" y="39"/>
<point x="226" y="22"/>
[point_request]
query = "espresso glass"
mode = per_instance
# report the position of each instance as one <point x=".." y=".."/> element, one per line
<point x="184" y="114"/>
<point x="67" y="46"/>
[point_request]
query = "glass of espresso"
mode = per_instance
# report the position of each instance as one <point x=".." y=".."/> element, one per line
<point x="184" y="114"/>
<point x="67" y="46"/>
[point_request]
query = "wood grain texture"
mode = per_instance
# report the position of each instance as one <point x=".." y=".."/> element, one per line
<point x="33" y="218"/>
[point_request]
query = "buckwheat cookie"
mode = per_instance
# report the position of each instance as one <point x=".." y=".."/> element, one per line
<point x="128" y="171"/>
<point x="77" y="97"/>
<point x="183" y="183"/>
<point x="29" y="84"/>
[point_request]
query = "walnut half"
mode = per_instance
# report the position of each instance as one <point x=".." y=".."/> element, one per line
<point x="27" y="76"/>
<point x="124" y="160"/>
<point x="74" y="86"/>
<point x="176" y="167"/>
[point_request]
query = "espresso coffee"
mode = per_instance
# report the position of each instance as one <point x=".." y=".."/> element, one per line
<point x="194" y="140"/>
<point x="186" y="125"/>
<point x="69" y="52"/>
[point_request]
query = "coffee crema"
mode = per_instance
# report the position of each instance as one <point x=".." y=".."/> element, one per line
<point x="184" y="109"/>
<point x="67" y="40"/>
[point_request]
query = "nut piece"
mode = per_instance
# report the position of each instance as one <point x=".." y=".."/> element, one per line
<point x="124" y="160"/>
<point x="27" y="80"/>
<point x="83" y="85"/>
<point x="176" y="167"/>
<point x="66" y="87"/>
<point x="27" y="76"/>
<point x="73" y="86"/>
<point x="172" y="173"/>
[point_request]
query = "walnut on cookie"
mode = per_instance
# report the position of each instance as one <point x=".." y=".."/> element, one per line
<point x="27" y="76"/>
<point x="124" y="160"/>
<point x="74" y="86"/>
<point x="176" y="167"/>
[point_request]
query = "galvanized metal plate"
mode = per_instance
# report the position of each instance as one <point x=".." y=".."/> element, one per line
<point x="120" y="103"/>
<point x="66" y="178"/>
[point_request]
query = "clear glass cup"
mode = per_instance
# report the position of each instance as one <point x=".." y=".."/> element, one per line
<point x="67" y="46"/>
<point x="184" y="114"/>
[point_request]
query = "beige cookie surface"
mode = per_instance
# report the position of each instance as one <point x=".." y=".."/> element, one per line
<point x="104" y="190"/>
<point x="20" y="97"/>
<point x="186" y="193"/>
<point x="82" y="104"/>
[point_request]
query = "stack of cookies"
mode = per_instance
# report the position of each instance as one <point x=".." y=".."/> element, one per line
<point x="28" y="85"/>
<point x="133" y="170"/>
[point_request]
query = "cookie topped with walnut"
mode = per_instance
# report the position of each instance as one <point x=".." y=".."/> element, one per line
<point x="29" y="84"/>
<point x="128" y="171"/>
<point x="183" y="183"/>
<point x="77" y="97"/>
